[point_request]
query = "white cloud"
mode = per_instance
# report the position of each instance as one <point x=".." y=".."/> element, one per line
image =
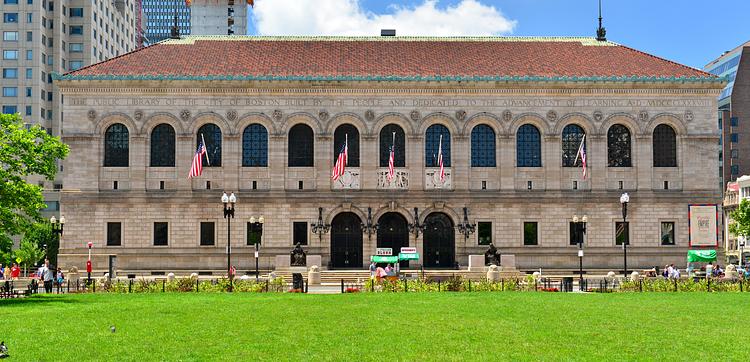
<point x="348" y="17"/>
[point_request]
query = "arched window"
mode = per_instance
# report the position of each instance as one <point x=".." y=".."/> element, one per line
<point x="618" y="146"/>
<point x="342" y="133"/>
<point x="116" y="146"/>
<point x="212" y="134"/>
<point x="665" y="146"/>
<point x="528" y="146"/>
<point x="392" y="135"/>
<point x="432" y="143"/>
<point x="255" y="146"/>
<point x="572" y="136"/>
<point x="162" y="146"/>
<point x="482" y="146"/>
<point x="301" y="146"/>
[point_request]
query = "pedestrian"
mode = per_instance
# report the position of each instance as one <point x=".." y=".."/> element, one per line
<point x="15" y="271"/>
<point x="48" y="275"/>
<point x="397" y="268"/>
<point x="670" y="270"/>
<point x="388" y="270"/>
<point x="709" y="270"/>
<point x="2" y="272"/>
<point x="372" y="269"/>
<point x="60" y="277"/>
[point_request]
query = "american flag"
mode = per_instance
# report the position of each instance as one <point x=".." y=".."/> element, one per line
<point x="340" y="166"/>
<point x="440" y="160"/>
<point x="197" y="168"/>
<point x="392" y="159"/>
<point x="582" y="154"/>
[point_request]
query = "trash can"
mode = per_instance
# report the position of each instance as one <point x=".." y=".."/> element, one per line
<point x="297" y="281"/>
<point x="567" y="284"/>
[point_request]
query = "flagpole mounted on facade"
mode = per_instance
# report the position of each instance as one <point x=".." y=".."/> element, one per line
<point x="206" y="147"/>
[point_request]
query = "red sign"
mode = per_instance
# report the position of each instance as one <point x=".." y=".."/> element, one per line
<point x="88" y="266"/>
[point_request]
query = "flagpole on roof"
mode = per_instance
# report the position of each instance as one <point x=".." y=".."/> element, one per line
<point x="206" y="148"/>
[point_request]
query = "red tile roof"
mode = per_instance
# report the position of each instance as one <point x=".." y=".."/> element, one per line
<point x="395" y="57"/>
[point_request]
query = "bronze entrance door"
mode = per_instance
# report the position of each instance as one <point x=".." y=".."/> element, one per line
<point x="393" y="233"/>
<point x="346" y="241"/>
<point x="439" y="241"/>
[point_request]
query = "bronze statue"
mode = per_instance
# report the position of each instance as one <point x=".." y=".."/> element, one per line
<point x="492" y="256"/>
<point x="298" y="256"/>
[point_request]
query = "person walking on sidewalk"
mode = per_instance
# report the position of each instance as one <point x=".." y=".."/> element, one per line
<point x="48" y="275"/>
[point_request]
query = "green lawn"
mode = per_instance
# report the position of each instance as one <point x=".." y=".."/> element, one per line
<point x="382" y="326"/>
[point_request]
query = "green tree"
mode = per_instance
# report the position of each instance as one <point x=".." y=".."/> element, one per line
<point x="41" y="234"/>
<point x="23" y="152"/>
<point x="28" y="254"/>
<point x="740" y="225"/>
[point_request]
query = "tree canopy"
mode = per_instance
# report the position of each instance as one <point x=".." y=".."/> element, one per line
<point x="24" y="152"/>
<point x="740" y="225"/>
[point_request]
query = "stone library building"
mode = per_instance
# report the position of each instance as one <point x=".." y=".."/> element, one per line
<point x="452" y="144"/>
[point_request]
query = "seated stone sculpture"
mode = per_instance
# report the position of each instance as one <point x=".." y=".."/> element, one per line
<point x="298" y="256"/>
<point x="492" y="256"/>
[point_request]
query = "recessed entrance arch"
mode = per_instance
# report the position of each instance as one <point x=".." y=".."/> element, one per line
<point x="439" y="241"/>
<point x="393" y="233"/>
<point x="346" y="241"/>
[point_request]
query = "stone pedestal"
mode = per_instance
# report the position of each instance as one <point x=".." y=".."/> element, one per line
<point x="313" y="277"/>
<point x="476" y="263"/>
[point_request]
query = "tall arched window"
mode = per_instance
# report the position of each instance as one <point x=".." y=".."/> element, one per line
<point x="342" y="133"/>
<point x="618" y="146"/>
<point x="162" y="146"/>
<point x="572" y="136"/>
<point x="528" y="146"/>
<point x="116" y="146"/>
<point x="432" y="143"/>
<point x="665" y="146"/>
<point x="212" y="134"/>
<point x="255" y="146"/>
<point x="301" y="146"/>
<point x="482" y="146"/>
<point x="392" y="135"/>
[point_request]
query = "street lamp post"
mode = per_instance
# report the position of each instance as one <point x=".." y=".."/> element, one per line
<point x="465" y="227"/>
<point x="580" y="227"/>
<point x="742" y="252"/>
<point x="88" y="262"/>
<point x="229" y="202"/>
<point x="320" y="227"/>
<point x="257" y="226"/>
<point x="624" y="199"/>
<point x="57" y="229"/>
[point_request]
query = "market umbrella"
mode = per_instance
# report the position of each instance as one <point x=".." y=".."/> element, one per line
<point x="701" y="256"/>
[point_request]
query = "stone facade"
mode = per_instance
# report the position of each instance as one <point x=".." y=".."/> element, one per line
<point x="500" y="195"/>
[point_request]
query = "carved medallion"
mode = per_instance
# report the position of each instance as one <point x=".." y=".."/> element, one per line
<point x="507" y="115"/>
<point x="414" y="115"/>
<point x="688" y="116"/>
<point x="598" y="116"/>
<point x="138" y="115"/>
<point x="552" y="116"/>
<point x="277" y="114"/>
<point x="232" y="115"/>
<point x="369" y="115"/>
<point x="185" y="115"/>
<point x="643" y="116"/>
<point x="323" y="115"/>
<point x="92" y="114"/>
<point x="460" y="115"/>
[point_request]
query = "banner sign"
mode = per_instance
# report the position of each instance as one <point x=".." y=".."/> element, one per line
<point x="703" y="223"/>
<point x="384" y="251"/>
<point x="407" y="250"/>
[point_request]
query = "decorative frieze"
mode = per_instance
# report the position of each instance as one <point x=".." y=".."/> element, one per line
<point x="400" y="180"/>
<point x="432" y="180"/>
<point x="348" y="181"/>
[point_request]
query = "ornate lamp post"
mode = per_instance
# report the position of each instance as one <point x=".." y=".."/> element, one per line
<point x="624" y="199"/>
<point x="229" y="203"/>
<point x="320" y="227"/>
<point x="742" y="251"/>
<point x="465" y="227"/>
<point x="57" y="229"/>
<point x="580" y="227"/>
<point x="416" y="227"/>
<point x="369" y="227"/>
<point x="257" y="227"/>
<point x="88" y="262"/>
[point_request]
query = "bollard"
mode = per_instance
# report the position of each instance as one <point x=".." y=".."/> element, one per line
<point x="469" y="284"/>
<point x="708" y="287"/>
<point x="372" y="285"/>
<point x="307" y="283"/>
<point x="438" y="285"/>
<point x="342" y="286"/>
<point x="196" y="284"/>
<point x="535" y="288"/>
<point x="640" y="285"/>
<point x="502" y="285"/>
<point x="406" y="286"/>
<point x="266" y="285"/>
<point x="675" y="284"/>
<point x="163" y="285"/>
<point x="740" y="285"/>
<point x="130" y="286"/>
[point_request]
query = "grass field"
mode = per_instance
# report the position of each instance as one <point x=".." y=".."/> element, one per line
<point x="398" y="326"/>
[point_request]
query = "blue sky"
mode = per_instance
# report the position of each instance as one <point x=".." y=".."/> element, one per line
<point x="691" y="32"/>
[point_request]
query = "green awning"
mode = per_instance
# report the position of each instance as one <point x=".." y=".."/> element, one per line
<point x="701" y="256"/>
<point x="408" y="256"/>
<point x="384" y="259"/>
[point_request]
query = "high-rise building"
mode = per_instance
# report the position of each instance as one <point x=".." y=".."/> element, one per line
<point x="201" y="17"/>
<point x="734" y="111"/>
<point x="42" y="37"/>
